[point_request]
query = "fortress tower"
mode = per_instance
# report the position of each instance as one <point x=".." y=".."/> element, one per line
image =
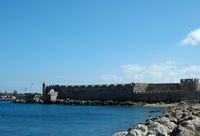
<point x="190" y="84"/>
<point x="44" y="93"/>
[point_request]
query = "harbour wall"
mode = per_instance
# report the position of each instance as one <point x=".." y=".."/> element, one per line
<point x="159" y="87"/>
<point x="166" y="92"/>
<point x="93" y="92"/>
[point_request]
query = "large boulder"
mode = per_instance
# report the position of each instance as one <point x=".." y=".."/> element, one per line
<point x="182" y="131"/>
<point x="167" y="123"/>
<point x="178" y="114"/>
<point x="193" y="125"/>
<point x="157" y="129"/>
<point x="174" y="120"/>
<point x="135" y="132"/>
<point x="143" y="128"/>
<point x="139" y="130"/>
<point x="124" y="133"/>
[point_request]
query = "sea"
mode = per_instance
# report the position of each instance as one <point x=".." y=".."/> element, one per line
<point x="69" y="120"/>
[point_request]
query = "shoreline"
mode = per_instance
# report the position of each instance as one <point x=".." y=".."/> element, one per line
<point x="181" y="119"/>
<point x="81" y="102"/>
<point x="95" y="103"/>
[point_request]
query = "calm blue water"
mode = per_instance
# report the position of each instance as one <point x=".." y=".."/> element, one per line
<point x="61" y="120"/>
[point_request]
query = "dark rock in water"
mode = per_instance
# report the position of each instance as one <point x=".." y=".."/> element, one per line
<point x="153" y="111"/>
<point x="19" y="101"/>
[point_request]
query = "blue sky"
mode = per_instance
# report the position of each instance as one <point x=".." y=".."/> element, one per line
<point x="97" y="41"/>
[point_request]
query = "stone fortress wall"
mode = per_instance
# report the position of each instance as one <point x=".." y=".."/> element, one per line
<point x="159" y="87"/>
<point x="91" y="92"/>
<point x="173" y="92"/>
<point x="198" y="87"/>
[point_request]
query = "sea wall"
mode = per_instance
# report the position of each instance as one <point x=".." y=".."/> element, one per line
<point x="140" y="87"/>
<point x="94" y="92"/>
<point x="137" y="92"/>
<point x="168" y="97"/>
<point x="161" y="87"/>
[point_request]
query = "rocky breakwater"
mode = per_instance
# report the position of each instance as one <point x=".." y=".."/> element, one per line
<point x="181" y="120"/>
<point x="79" y="102"/>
